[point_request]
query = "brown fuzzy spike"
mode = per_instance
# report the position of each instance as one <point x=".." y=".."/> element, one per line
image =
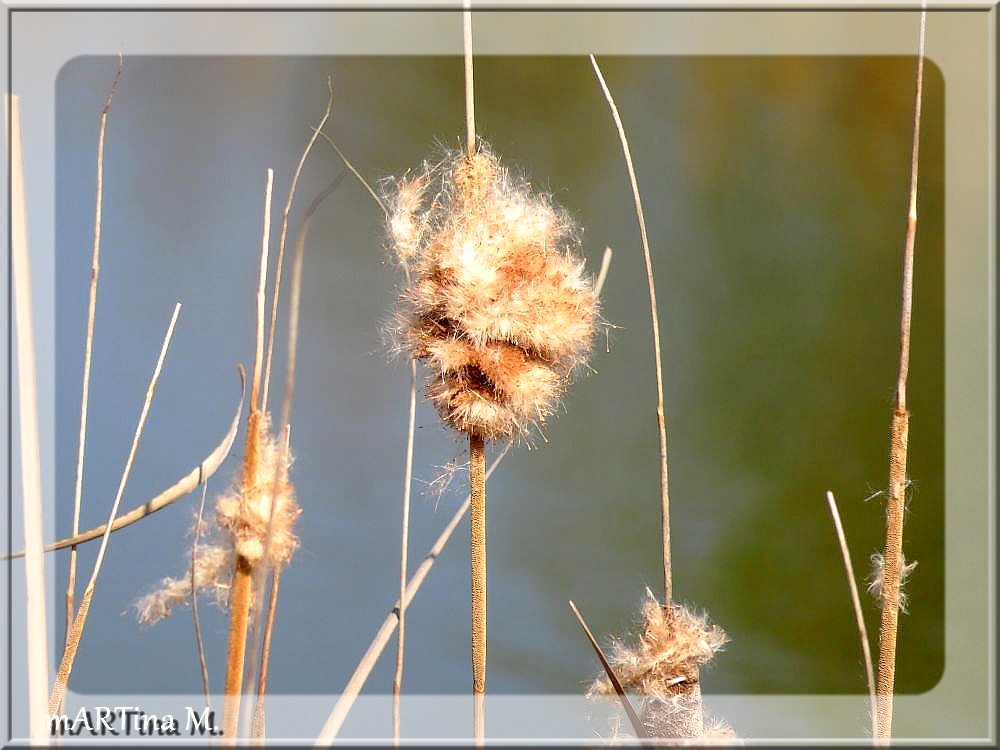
<point x="497" y="304"/>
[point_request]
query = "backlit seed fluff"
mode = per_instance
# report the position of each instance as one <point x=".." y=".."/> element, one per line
<point x="497" y="303"/>
<point x="662" y="666"/>
<point x="245" y="510"/>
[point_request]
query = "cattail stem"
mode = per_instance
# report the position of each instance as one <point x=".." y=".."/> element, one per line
<point x="242" y="588"/>
<point x="477" y="516"/>
<point x="239" y="605"/>
<point x="898" y="441"/>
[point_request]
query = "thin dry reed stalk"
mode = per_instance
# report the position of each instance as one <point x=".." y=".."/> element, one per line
<point x="898" y="441"/>
<point x="352" y="689"/>
<point x="397" y="679"/>
<point x="633" y="717"/>
<point x="172" y="494"/>
<point x="76" y="630"/>
<point x="258" y="729"/>
<point x="240" y="594"/>
<point x="199" y="643"/>
<point x="256" y="673"/>
<point x="31" y="462"/>
<point x="95" y="270"/>
<point x="859" y="617"/>
<point x="660" y="419"/>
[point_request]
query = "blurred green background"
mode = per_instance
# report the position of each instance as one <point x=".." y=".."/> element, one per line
<point x="775" y="196"/>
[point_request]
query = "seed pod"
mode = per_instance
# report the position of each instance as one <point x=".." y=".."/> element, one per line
<point x="497" y="303"/>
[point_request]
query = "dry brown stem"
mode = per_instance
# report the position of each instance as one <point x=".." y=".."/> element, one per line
<point x="76" y="629"/>
<point x="898" y="441"/>
<point x="477" y="517"/>
<point x="242" y="589"/>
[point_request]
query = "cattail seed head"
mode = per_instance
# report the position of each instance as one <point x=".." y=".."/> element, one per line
<point x="497" y="302"/>
<point x="662" y="667"/>
<point x="246" y="510"/>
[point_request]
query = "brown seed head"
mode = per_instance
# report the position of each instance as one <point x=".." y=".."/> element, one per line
<point x="497" y="302"/>
<point x="245" y="511"/>
<point x="662" y="666"/>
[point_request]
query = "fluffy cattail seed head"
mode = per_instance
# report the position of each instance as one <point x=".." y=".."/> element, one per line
<point x="497" y="303"/>
<point x="246" y="510"/>
<point x="662" y="667"/>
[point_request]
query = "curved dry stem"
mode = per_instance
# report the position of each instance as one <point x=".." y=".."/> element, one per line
<point x="347" y="163"/>
<point x="281" y="241"/>
<point x="859" y="617"/>
<point x="95" y="270"/>
<point x="172" y="494"/>
<point x="76" y="630"/>
<point x="899" y="438"/>
<point x="660" y="419"/>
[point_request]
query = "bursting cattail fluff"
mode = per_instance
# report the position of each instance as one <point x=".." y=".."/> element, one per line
<point x="497" y="303"/>
<point x="239" y="526"/>
<point x="662" y="667"/>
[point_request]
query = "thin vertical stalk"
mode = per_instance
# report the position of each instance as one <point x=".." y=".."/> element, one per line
<point x="95" y="271"/>
<point x="470" y="99"/>
<point x="899" y="439"/>
<point x="477" y="517"/>
<point x="259" y="714"/>
<point x="477" y="453"/>
<point x="252" y="673"/>
<point x="397" y="680"/>
<point x="31" y="461"/>
<point x="202" y="662"/>
<point x="859" y="617"/>
<point x="660" y="419"/>
<point x="76" y="630"/>
<point x="242" y="588"/>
